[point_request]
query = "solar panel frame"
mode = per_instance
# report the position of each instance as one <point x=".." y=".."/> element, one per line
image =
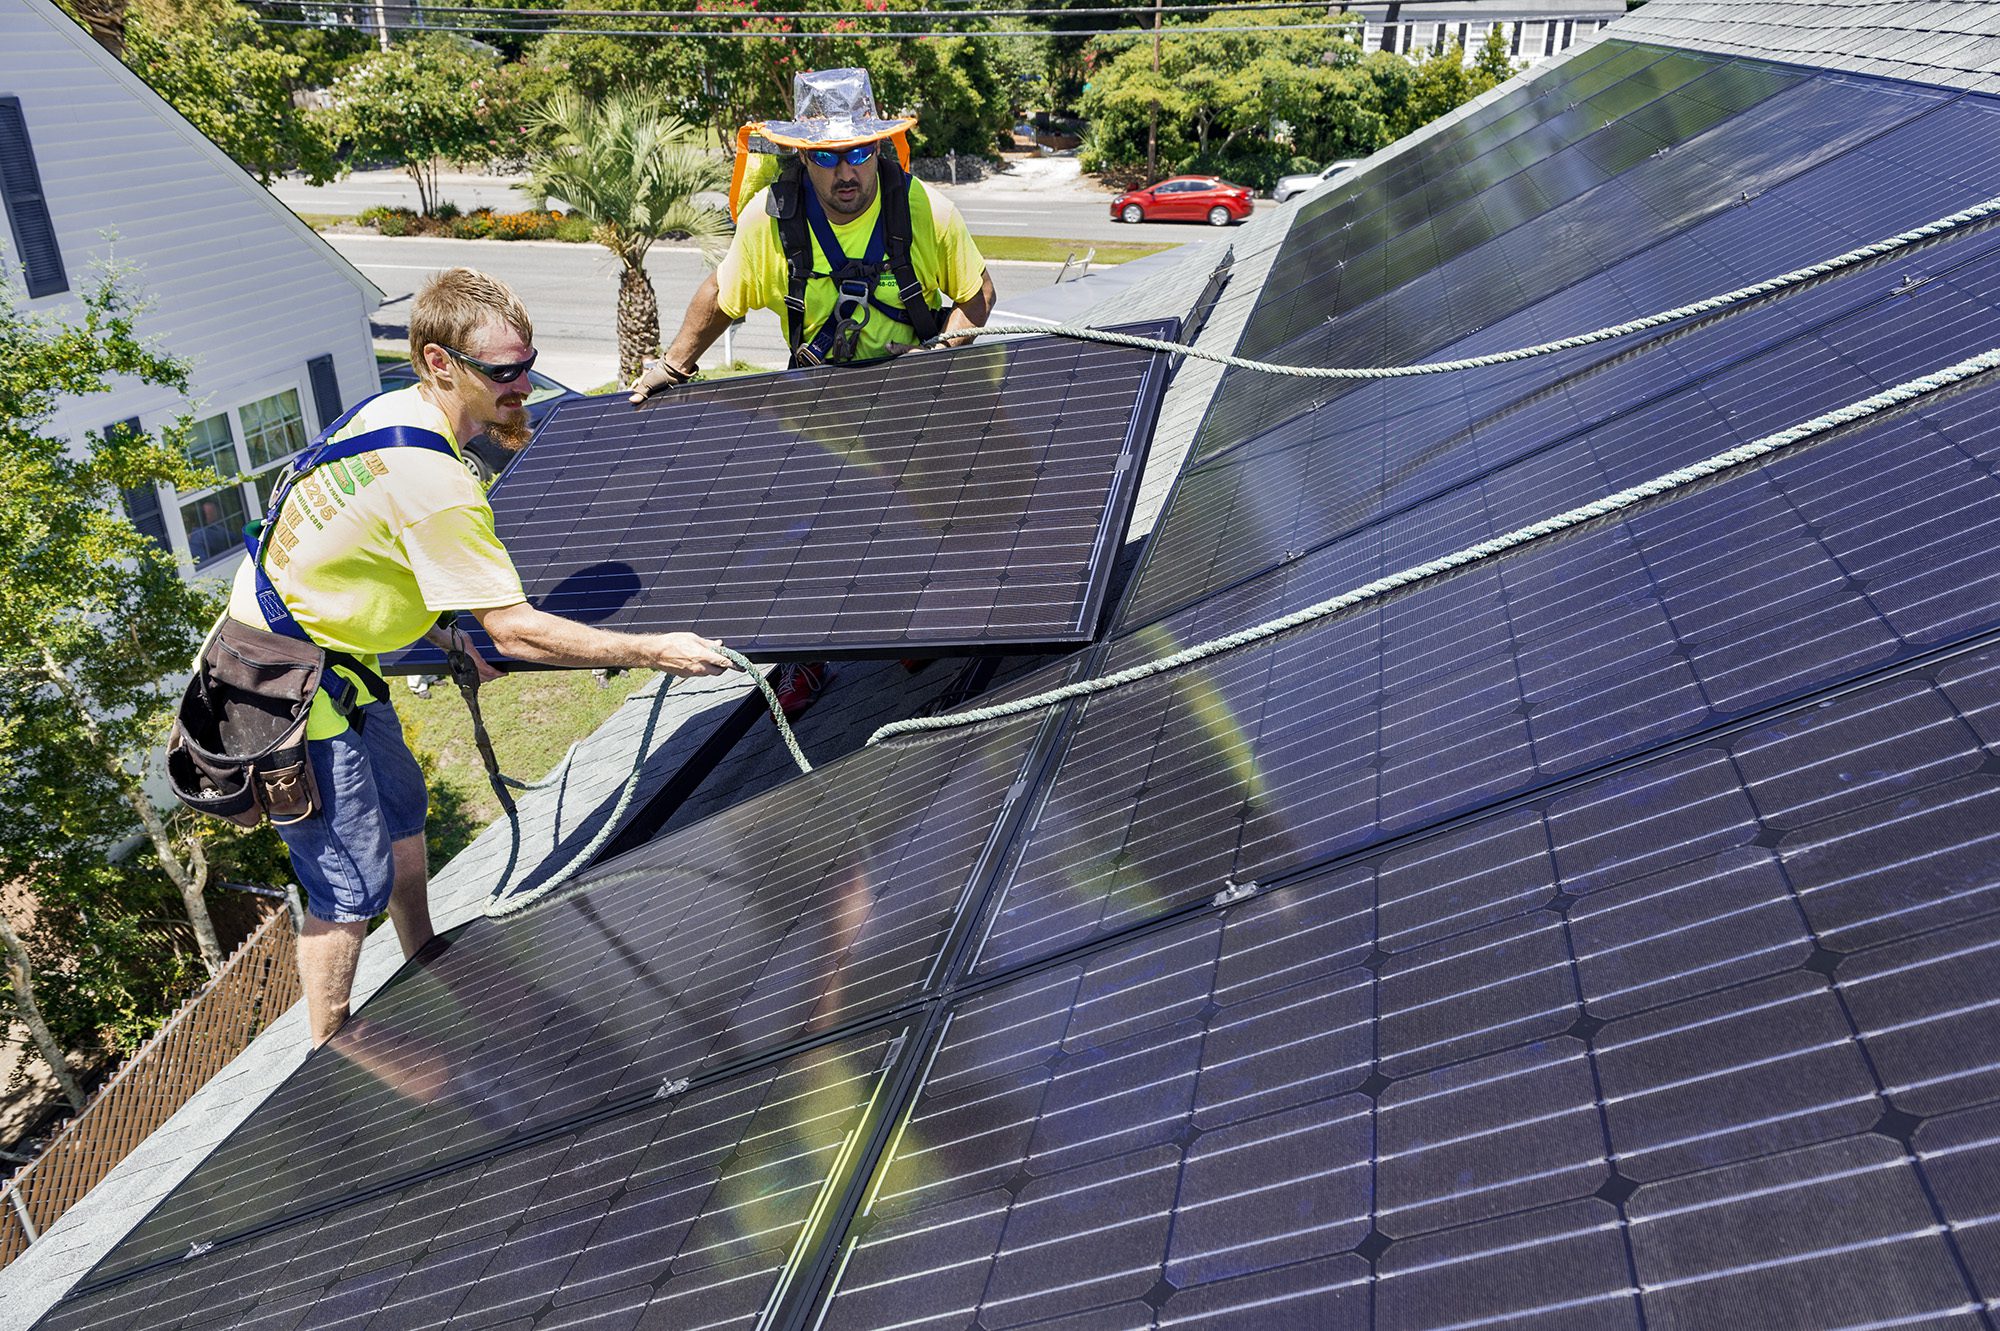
<point x="756" y="580"/>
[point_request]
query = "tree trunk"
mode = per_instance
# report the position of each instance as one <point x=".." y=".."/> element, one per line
<point x="192" y="879"/>
<point x="638" y="320"/>
<point x="105" y="20"/>
<point x="23" y="970"/>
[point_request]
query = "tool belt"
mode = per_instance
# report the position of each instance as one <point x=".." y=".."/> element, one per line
<point x="237" y="749"/>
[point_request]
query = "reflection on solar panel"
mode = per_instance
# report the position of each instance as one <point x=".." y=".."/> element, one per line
<point x="680" y="1213"/>
<point x="795" y="913"/>
<point x="969" y="498"/>
<point x="1707" y="1041"/>
<point x="1603" y="936"/>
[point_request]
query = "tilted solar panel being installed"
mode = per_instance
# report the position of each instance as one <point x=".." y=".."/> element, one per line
<point x="969" y="498"/>
<point x="1707" y="1041"/>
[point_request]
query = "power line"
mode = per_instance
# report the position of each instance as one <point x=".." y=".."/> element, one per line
<point x="849" y="14"/>
<point x="494" y="28"/>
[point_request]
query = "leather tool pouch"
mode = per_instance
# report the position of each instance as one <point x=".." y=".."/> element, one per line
<point x="237" y="749"/>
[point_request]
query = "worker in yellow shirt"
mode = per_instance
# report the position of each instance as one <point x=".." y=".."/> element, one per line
<point x="361" y="555"/>
<point x="851" y="251"/>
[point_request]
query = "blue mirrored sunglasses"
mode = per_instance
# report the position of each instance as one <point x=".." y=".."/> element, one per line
<point x="832" y="157"/>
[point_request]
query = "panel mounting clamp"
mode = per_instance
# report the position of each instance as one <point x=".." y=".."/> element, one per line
<point x="669" y="1089"/>
<point x="1233" y="892"/>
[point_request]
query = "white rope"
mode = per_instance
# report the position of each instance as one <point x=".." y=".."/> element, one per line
<point x="1472" y="554"/>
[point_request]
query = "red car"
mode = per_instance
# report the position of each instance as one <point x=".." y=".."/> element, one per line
<point x="1184" y="199"/>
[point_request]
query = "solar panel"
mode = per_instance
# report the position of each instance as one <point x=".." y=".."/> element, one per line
<point x="1613" y="415"/>
<point x="797" y="912"/>
<point x="957" y="499"/>
<point x="1654" y="1046"/>
<point x="1774" y="582"/>
<point x="1700" y="164"/>
<point x="684" y="1212"/>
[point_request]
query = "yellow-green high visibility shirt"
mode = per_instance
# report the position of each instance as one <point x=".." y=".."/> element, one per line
<point x="369" y="551"/>
<point x="753" y="274"/>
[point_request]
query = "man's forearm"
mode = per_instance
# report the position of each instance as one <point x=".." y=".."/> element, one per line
<point x="705" y="321"/>
<point x="528" y="634"/>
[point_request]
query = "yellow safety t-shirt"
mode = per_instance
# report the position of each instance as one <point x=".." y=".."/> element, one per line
<point x="753" y="274"/>
<point x="369" y="551"/>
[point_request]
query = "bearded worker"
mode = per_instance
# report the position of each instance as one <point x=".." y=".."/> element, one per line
<point x="847" y="248"/>
<point x="363" y="555"/>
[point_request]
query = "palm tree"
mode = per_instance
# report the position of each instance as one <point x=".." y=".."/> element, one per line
<point x="633" y="169"/>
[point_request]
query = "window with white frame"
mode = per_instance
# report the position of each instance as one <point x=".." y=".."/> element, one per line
<point x="248" y="453"/>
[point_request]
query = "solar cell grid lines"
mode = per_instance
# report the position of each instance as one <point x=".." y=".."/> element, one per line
<point x="1698" y="1040"/>
<point x="963" y="498"/>
<point x="1578" y="651"/>
<point x="789" y="916"/>
<point x="680" y="1213"/>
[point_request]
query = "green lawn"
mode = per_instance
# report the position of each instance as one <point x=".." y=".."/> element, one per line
<point x="1039" y="249"/>
<point x="533" y="717"/>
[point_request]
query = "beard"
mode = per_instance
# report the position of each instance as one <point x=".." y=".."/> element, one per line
<point x="512" y="435"/>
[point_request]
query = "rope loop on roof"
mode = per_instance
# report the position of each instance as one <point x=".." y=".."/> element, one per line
<point x="500" y="903"/>
<point x="1917" y="235"/>
<point x="1472" y="554"/>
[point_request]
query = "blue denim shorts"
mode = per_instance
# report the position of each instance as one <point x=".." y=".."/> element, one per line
<point x="372" y="794"/>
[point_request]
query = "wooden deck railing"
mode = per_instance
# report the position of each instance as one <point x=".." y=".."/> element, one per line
<point x="255" y="985"/>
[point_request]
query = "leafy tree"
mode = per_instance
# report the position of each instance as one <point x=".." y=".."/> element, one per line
<point x="424" y="103"/>
<point x="214" y="64"/>
<point x="1224" y="96"/>
<point x="1492" y="61"/>
<point x="93" y="615"/>
<point x="633" y="170"/>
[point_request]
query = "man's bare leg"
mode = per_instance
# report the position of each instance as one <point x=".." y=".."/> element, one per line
<point x="409" y="901"/>
<point x="328" y="955"/>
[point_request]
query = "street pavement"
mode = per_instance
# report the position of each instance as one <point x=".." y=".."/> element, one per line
<point x="1034" y="197"/>
<point x="571" y="292"/>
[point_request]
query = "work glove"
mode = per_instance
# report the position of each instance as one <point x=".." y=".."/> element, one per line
<point x="657" y="376"/>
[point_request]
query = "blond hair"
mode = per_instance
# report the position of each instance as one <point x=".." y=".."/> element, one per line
<point x="452" y="306"/>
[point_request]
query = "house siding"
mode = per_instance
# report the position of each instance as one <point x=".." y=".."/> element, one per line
<point x="237" y="286"/>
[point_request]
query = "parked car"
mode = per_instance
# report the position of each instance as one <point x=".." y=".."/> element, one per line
<point x="1290" y="187"/>
<point x="1184" y="199"/>
<point x="484" y="458"/>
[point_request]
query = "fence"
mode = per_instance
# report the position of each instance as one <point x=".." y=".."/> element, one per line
<point x="254" y="986"/>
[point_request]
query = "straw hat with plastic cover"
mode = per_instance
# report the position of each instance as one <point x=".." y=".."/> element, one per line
<point x="832" y="108"/>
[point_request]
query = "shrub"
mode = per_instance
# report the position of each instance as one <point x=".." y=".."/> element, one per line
<point x="524" y="226"/>
<point x="576" y="230"/>
<point x="445" y="210"/>
<point x="475" y="225"/>
<point x="394" y="224"/>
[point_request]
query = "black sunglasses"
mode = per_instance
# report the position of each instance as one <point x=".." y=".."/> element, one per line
<point x="832" y="157"/>
<point x="499" y="374"/>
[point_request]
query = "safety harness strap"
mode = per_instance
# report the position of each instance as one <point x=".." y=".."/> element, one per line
<point x="257" y="539"/>
<point x="801" y="220"/>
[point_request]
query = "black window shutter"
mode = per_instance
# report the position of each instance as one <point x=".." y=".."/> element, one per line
<point x="27" y="211"/>
<point x="142" y="502"/>
<point x="326" y="389"/>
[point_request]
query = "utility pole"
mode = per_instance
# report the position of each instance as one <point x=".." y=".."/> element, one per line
<point x="1153" y="121"/>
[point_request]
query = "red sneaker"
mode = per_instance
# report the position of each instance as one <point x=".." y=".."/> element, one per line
<point x="797" y="685"/>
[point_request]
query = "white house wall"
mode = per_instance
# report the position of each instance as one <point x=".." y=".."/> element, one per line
<point x="239" y="286"/>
